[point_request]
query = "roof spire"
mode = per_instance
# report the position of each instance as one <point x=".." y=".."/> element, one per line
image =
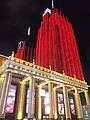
<point x="52" y="4"/>
<point x="29" y="31"/>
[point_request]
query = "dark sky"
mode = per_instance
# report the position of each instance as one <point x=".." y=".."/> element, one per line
<point x="17" y="15"/>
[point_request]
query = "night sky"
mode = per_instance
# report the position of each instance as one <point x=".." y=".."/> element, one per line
<point x="17" y="15"/>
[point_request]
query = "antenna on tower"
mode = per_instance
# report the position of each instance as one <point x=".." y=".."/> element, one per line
<point x="29" y="30"/>
<point x="52" y="4"/>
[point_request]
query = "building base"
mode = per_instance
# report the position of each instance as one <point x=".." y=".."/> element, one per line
<point x="68" y="118"/>
<point x="2" y="117"/>
<point x="30" y="118"/>
<point x="79" y="118"/>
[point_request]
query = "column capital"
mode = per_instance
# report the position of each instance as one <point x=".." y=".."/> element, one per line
<point x="49" y="81"/>
<point x="22" y="82"/>
<point x="39" y="87"/>
<point x="54" y="89"/>
<point x="64" y="85"/>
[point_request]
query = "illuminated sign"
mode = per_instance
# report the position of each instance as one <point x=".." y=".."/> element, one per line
<point x="11" y="99"/>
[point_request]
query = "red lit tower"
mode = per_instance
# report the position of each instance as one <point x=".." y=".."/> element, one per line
<point x="24" y="50"/>
<point x="56" y="45"/>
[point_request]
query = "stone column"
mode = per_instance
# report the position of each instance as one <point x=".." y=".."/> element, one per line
<point x="78" y="105"/>
<point x="39" y="105"/>
<point x="87" y="97"/>
<point x="50" y="90"/>
<point x="1" y="84"/>
<point x="4" y="93"/>
<point x="66" y="103"/>
<point x="31" y="108"/>
<point x="20" y="103"/>
<point x="55" y="112"/>
<point x="36" y="101"/>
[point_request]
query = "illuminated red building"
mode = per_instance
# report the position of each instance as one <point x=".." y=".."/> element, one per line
<point x="24" y="52"/>
<point x="56" y="45"/>
<point x="40" y="90"/>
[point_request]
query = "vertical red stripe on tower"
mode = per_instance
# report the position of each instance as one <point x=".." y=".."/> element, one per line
<point x="51" y="45"/>
<point x="59" y="39"/>
<point x="54" y="54"/>
<point x="80" y="73"/>
<point x="70" y="53"/>
<point x="66" y="49"/>
<point x="74" y="52"/>
<point x="61" y="45"/>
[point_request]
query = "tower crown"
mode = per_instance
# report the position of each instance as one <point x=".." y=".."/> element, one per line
<point x="47" y="11"/>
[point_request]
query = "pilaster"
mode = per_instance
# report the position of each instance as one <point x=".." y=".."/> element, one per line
<point x="20" y="104"/>
<point x="39" y="105"/>
<point x="31" y="108"/>
<point x="4" y="93"/>
<point x="50" y="90"/>
<point x="66" y="103"/>
<point x="55" y="104"/>
<point x="78" y="105"/>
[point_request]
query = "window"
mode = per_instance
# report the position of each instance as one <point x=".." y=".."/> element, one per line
<point x="27" y="100"/>
<point x="47" y="103"/>
<point x="60" y="104"/>
<point x="72" y="107"/>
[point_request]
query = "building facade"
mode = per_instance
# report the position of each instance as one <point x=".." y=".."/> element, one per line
<point x="34" y="92"/>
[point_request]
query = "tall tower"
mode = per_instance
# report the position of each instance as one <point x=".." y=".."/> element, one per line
<point x="56" y="45"/>
<point x="24" y="50"/>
